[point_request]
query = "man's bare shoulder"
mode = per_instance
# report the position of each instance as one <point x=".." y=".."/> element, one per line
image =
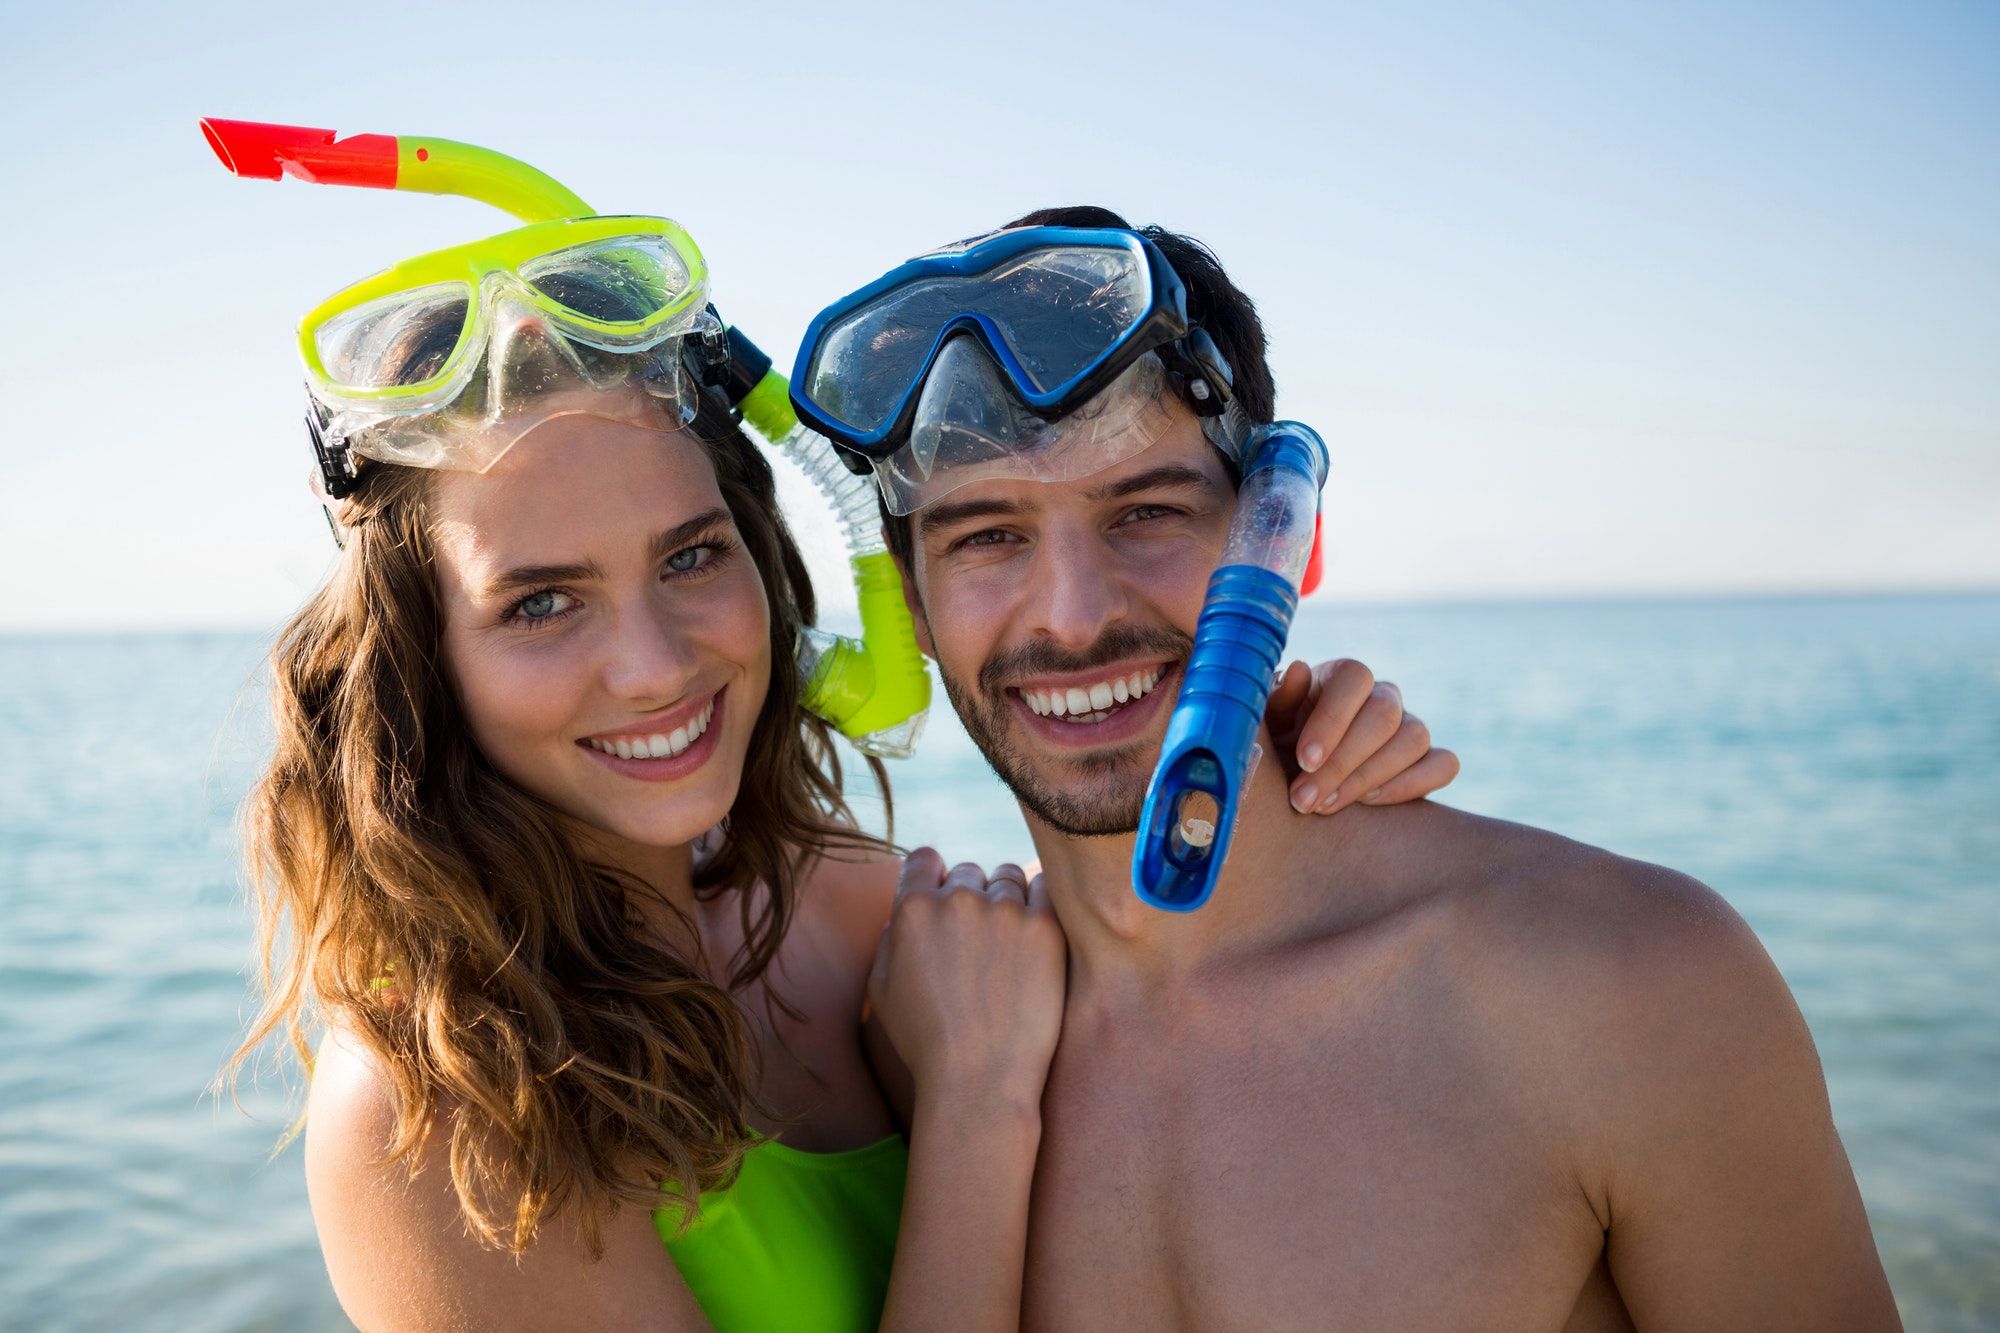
<point x="1524" y="905"/>
<point x="1632" y="1002"/>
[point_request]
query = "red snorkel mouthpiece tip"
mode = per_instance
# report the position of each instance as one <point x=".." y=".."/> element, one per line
<point x="1314" y="563"/>
<point x="258" y="151"/>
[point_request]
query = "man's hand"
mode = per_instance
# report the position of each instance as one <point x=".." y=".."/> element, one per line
<point x="1343" y="737"/>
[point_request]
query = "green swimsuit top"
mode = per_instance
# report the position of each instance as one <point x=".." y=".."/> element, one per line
<point x="800" y="1243"/>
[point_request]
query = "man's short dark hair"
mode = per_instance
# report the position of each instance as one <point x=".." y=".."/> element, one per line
<point x="1213" y="302"/>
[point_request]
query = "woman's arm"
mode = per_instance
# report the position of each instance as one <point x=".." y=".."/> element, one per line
<point x="402" y="1260"/>
<point x="968" y="986"/>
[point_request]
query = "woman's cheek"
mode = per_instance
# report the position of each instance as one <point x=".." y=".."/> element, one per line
<point x="517" y="699"/>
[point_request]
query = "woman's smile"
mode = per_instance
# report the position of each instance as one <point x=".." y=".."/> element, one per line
<point x="662" y="749"/>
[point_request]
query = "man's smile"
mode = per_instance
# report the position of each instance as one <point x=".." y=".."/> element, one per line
<point x="1093" y="707"/>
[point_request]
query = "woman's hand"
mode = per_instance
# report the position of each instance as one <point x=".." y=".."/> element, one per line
<point x="1343" y="737"/>
<point x="968" y="984"/>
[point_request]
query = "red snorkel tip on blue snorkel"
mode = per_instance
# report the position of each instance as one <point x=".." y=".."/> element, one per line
<point x="259" y="151"/>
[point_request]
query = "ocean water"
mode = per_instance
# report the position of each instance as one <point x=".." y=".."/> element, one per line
<point x="1832" y="766"/>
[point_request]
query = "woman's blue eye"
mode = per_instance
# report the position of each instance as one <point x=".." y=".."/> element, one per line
<point x="537" y="606"/>
<point x="683" y="561"/>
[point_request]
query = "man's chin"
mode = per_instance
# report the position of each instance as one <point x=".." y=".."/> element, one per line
<point x="1093" y="795"/>
<point x="1100" y="797"/>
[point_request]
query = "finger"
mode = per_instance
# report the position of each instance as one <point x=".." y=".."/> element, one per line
<point x="1288" y="697"/>
<point x="1372" y="727"/>
<point x="1038" y="894"/>
<point x="1008" y="881"/>
<point x="965" y="875"/>
<point x="1344" y="688"/>
<point x="1403" y="750"/>
<point x="922" y="869"/>
<point x="1436" y="769"/>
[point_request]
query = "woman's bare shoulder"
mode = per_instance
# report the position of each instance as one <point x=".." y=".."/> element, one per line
<point x="852" y="896"/>
<point x="402" y="1257"/>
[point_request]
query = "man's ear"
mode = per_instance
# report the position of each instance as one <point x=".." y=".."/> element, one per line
<point x="914" y="600"/>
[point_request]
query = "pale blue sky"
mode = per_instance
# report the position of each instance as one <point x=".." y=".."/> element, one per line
<point x="1586" y="298"/>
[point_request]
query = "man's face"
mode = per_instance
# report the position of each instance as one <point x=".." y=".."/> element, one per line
<point x="1061" y="615"/>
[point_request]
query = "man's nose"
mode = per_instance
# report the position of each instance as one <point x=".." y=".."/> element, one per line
<point x="1077" y="590"/>
<point x="651" y="659"/>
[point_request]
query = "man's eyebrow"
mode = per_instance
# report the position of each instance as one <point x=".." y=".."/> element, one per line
<point x="663" y="545"/>
<point x="1165" y="477"/>
<point x="946" y="514"/>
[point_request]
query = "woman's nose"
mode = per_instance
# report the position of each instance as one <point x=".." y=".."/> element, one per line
<point x="651" y="660"/>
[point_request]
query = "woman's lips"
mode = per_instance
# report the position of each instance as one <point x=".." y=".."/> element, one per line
<point x="661" y="753"/>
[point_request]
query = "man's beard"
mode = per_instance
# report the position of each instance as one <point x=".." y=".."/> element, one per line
<point x="1090" y="796"/>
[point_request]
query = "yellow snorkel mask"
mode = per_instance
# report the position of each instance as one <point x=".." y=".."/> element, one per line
<point x="447" y="359"/>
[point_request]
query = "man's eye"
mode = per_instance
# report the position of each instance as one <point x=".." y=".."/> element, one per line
<point x="990" y="537"/>
<point x="1143" y="512"/>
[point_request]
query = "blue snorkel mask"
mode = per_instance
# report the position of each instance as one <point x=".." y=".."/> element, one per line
<point x="1052" y="353"/>
<point x="1038" y="352"/>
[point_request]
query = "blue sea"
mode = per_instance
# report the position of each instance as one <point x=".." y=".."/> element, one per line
<point x="1831" y="766"/>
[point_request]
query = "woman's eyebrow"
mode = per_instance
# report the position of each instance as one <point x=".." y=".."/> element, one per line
<point x="522" y="576"/>
<point x="663" y="545"/>
<point x="678" y="536"/>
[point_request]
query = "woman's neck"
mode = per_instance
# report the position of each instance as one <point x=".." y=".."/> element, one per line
<point x="663" y="880"/>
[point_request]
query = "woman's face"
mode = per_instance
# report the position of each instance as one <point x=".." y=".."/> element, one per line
<point x="604" y="627"/>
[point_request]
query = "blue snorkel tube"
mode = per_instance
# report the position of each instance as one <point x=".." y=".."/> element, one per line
<point x="1192" y="804"/>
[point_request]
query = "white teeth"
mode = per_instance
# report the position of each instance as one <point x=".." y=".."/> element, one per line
<point x="1095" y="702"/>
<point x="658" y="745"/>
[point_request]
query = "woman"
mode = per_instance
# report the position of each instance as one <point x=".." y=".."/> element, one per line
<point x="556" y="653"/>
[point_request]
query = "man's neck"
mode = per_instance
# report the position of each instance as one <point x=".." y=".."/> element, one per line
<point x="1117" y="940"/>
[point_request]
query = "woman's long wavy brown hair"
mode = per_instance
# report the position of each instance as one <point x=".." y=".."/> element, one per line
<point x="412" y="896"/>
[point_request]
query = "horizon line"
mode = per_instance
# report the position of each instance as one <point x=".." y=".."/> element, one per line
<point x="1322" y="599"/>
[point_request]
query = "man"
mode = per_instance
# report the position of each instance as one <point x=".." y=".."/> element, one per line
<point x="1408" y="1068"/>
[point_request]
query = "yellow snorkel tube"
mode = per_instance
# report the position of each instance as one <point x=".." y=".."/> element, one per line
<point x="876" y="689"/>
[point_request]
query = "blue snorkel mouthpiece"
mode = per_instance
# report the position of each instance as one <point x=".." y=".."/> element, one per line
<point x="1192" y="803"/>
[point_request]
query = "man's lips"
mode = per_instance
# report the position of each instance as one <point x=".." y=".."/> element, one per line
<point x="1090" y="699"/>
<point x="1107" y="705"/>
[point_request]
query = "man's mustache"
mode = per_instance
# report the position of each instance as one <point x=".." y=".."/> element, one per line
<point x="1043" y="658"/>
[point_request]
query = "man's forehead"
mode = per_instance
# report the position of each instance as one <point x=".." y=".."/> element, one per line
<point x="1181" y="458"/>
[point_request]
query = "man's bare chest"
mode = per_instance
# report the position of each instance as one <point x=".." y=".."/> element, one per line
<point x="1371" y="1176"/>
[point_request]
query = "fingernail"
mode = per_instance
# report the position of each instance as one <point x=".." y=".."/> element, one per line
<point x="1311" y="755"/>
<point x="1373" y="794"/>
<point x="1305" y="796"/>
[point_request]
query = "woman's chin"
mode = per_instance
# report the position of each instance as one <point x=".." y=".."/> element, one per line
<point x="662" y="822"/>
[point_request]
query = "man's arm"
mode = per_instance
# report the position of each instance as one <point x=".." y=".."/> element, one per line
<point x="1708" y="1149"/>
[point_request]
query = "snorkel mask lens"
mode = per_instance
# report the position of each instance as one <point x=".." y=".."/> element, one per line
<point x="1060" y="310"/>
<point x="451" y="373"/>
<point x="969" y="425"/>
